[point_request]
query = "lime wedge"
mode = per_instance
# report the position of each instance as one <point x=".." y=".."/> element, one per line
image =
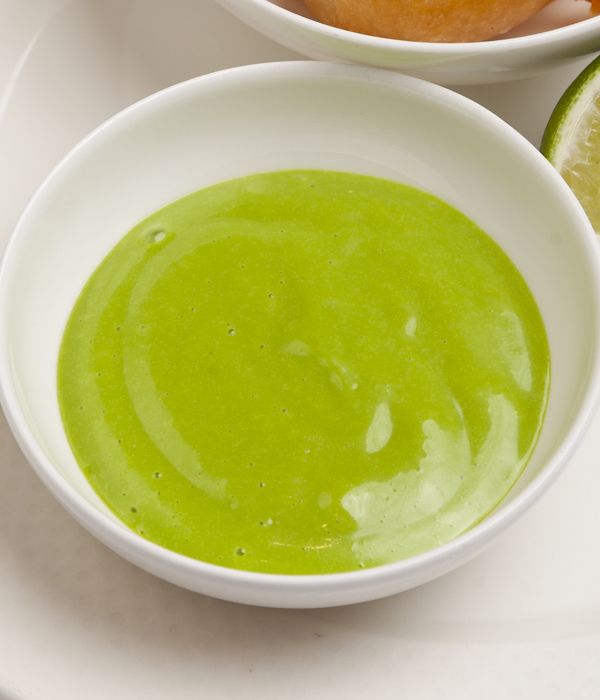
<point x="571" y="141"/>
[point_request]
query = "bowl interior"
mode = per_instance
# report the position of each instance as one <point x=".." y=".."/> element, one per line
<point x="290" y="116"/>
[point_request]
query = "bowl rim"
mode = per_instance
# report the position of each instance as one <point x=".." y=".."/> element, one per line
<point x="589" y="26"/>
<point x="118" y="536"/>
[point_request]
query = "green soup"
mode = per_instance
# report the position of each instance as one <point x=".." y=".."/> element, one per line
<point x="304" y="372"/>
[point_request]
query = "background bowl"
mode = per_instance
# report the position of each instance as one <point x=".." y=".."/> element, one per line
<point x="293" y="115"/>
<point x="530" y="49"/>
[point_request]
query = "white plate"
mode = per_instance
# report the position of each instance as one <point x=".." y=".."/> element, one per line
<point x="76" y="621"/>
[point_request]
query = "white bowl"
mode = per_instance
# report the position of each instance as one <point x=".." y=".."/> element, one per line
<point x="294" y="115"/>
<point x="287" y="22"/>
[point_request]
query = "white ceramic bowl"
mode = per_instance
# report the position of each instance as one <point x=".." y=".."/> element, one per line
<point x="287" y="22"/>
<point x="293" y="115"/>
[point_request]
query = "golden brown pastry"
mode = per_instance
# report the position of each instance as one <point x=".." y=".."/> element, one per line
<point x="428" y="20"/>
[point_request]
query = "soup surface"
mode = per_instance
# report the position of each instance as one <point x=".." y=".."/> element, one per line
<point x="304" y="372"/>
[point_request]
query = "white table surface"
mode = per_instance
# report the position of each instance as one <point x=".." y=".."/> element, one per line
<point x="77" y="622"/>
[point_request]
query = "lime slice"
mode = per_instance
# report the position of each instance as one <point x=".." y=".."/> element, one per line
<point x="571" y="141"/>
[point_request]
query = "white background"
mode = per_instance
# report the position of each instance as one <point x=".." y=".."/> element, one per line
<point x="77" y="622"/>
